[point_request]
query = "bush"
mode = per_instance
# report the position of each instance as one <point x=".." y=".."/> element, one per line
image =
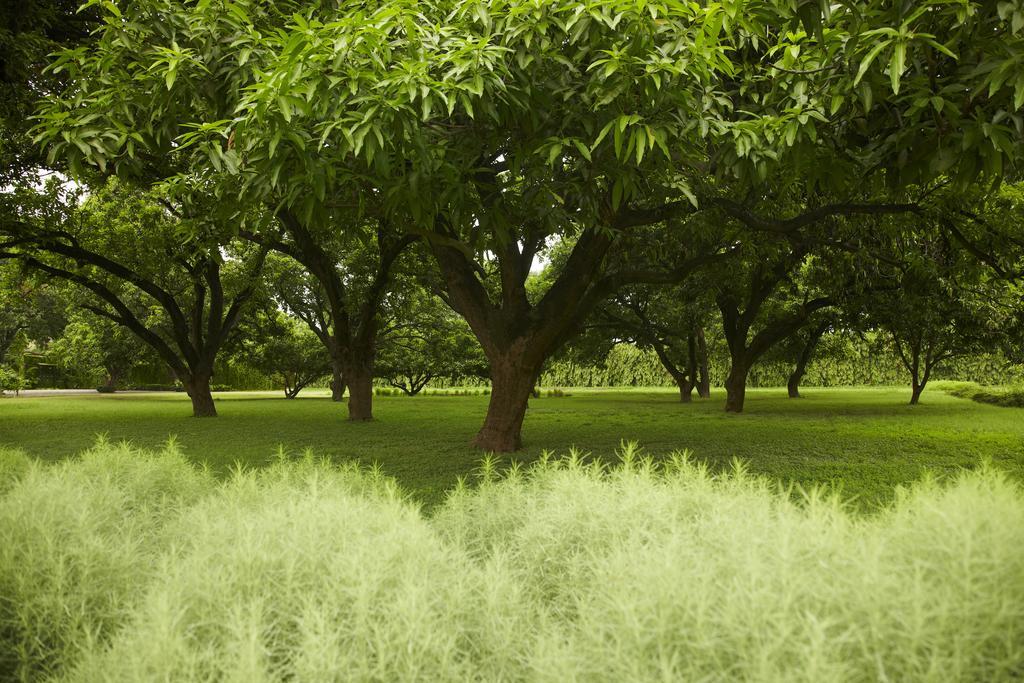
<point x="77" y="541"/>
<point x="1006" y="397"/>
<point x="129" y="567"/>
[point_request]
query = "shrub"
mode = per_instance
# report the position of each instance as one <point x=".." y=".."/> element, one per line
<point x="1006" y="397"/>
<point x="122" y="566"/>
<point x="77" y="540"/>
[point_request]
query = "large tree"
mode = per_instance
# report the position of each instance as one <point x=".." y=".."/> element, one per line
<point x="937" y="302"/>
<point x="161" y="70"/>
<point x="495" y="126"/>
<point x="340" y="295"/>
<point x="183" y="297"/>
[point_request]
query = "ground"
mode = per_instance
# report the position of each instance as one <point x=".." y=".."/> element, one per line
<point x="865" y="440"/>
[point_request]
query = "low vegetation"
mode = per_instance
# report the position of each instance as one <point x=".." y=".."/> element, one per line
<point x="126" y="565"/>
<point x="1007" y="397"/>
<point x="862" y="441"/>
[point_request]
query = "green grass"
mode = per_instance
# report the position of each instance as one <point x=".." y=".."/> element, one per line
<point x="122" y="565"/>
<point x="1006" y="397"/>
<point x="865" y="441"/>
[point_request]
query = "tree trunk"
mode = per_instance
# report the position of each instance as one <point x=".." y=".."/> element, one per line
<point x="793" y="385"/>
<point x="337" y="382"/>
<point x="511" y="385"/>
<point x="918" y="383"/>
<point x="915" y="393"/>
<point x="804" y="359"/>
<point x="683" y="380"/>
<point x="703" y="375"/>
<point x="110" y="383"/>
<point x="736" y="388"/>
<point x="198" y="388"/>
<point x="360" y="393"/>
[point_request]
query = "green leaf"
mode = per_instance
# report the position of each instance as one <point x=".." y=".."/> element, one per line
<point x="554" y="152"/>
<point x="584" y="151"/>
<point x="866" y="62"/>
<point x="897" y="65"/>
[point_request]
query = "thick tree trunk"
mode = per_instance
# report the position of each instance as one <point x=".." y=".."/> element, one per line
<point x="915" y="392"/>
<point x="686" y="392"/>
<point x="703" y="375"/>
<point x="736" y="388"/>
<point x="360" y="393"/>
<point x="197" y="386"/>
<point x="337" y="383"/>
<point x="793" y="385"/>
<point x="511" y="385"/>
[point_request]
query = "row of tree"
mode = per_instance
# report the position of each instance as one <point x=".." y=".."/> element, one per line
<point x="789" y="167"/>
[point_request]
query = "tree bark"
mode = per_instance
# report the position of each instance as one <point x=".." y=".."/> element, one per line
<point x="920" y="381"/>
<point x="793" y="384"/>
<point x="915" y="391"/>
<point x="703" y="375"/>
<point x="804" y="359"/>
<point x="683" y="380"/>
<point x="736" y="387"/>
<point x="197" y="386"/>
<point x="512" y="383"/>
<point x="337" y="382"/>
<point x="360" y="392"/>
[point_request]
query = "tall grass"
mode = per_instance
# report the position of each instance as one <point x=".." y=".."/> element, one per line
<point x="129" y="566"/>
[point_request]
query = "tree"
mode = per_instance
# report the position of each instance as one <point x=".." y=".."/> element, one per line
<point x="288" y="351"/>
<point x="669" y="320"/>
<point x="341" y="296"/>
<point x="938" y="303"/>
<point x="334" y="232"/>
<point x="800" y="348"/>
<point x="182" y="298"/>
<point x="491" y="128"/>
<point x="28" y="35"/>
<point x="759" y="311"/>
<point x="95" y="350"/>
<point x="428" y="341"/>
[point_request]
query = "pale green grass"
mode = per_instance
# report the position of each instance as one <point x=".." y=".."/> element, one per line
<point x="123" y="566"/>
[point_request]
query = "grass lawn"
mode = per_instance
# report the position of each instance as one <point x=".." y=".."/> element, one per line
<point x="864" y="440"/>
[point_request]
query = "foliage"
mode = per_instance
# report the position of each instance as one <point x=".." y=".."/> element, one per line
<point x="306" y="570"/>
<point x="1006" y="397"/>
<point x="27" y="307"/>
<point x="181" y="290"/>
<point x="427" y="341"/>
<point x="94" y="350"/>
<point x="489" y="130"/>
<point x="28" y="36"/>
<point x="286" y="350"/>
